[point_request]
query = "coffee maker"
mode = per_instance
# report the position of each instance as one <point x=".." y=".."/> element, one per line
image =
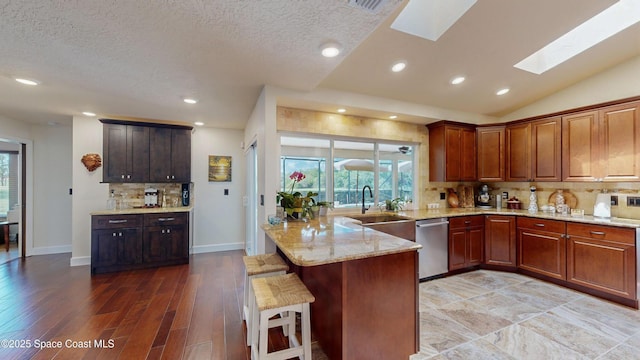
<point x="483" y="198"/>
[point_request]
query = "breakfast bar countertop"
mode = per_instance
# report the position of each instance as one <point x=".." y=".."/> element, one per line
<point x="333" y="239"/>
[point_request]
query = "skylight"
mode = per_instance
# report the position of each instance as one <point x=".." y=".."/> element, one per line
<point x="429" y="19"/>
<point x="609" y="22"/>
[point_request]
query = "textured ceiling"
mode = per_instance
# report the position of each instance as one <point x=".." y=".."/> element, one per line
<point x="139" y="58"/>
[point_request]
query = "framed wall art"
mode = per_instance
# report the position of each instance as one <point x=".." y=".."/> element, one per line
<point x="219" y="168"/>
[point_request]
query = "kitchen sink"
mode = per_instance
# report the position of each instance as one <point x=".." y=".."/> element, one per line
<point x="378" y="218"/>
<point x="395" y="225"/>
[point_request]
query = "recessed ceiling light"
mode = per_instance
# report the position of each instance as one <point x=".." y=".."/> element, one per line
<point x="609" y="22"/>
<point x="190" y="100"/>
<point x="457" y="80"/>
<point x="88" y="113"/>
<point x="330" y="49"/>
<point x="198" y="123"/>
<point x="502" y="91"/>
<point x="393" y="117"/>
<point x="28" y="81"/>
<point x="399" y="66"/>
<point x="342" y="110"/>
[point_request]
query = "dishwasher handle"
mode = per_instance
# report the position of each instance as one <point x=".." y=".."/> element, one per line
<point x="432" y="224"/>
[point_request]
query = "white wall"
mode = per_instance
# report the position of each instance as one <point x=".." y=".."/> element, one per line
<point x="619" y="82"/>
<point x="52" y="202"/>
<point x="218" y="219"/>
<point x="88" y="193"/>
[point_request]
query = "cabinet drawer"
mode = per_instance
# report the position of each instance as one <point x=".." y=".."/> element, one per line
<point x="542" y="224"/>
<point x="600" y="232"/>
<point x="161" y="219"/>
<point x="115" y="221"/>
<point x="466" y="221"/>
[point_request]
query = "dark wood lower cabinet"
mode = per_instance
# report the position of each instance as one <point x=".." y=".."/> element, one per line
<point x="126" y="242"/>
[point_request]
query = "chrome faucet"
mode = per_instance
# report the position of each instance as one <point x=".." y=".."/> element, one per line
<point x="364" y="209"/>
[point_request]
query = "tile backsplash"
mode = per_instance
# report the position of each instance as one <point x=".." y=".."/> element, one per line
<point x="133" y="194"/>
<point x="584" y="192"/>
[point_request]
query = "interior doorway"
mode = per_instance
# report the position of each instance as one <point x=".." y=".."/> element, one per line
<point x="12" y="198"/>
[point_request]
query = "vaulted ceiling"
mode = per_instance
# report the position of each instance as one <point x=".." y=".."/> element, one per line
<point x="141" y="58"/>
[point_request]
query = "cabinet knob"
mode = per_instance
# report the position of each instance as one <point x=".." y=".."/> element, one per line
<point x="119" y="234"/>
<point x="122" y="176"/>
<point x="172" y="177"/>
<point x="163" y="231"/>
<point x="168" y="231"/>
<point x="128" y="176"/>
<point x="167" y="177"/>
<point x="114" y="234"/>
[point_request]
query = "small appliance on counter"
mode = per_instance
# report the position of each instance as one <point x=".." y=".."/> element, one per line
<point x="602" y="208"/>
<point x="150" y="197"/>
<point x="483" y="199"/>
<point x="186" y="194"/>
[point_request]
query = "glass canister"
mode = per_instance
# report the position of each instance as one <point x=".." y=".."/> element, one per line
<point x="533" y="200"/>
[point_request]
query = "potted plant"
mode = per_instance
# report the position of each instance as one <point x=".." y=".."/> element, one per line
<point x="294" y="203"/>
<point x="394" y="205"/>
<point x="324" y="206"/>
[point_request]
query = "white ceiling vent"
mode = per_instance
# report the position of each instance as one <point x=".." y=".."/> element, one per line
<point x="369" y="5"/>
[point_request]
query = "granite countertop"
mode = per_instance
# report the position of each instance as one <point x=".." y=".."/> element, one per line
<point x="452" y="212"/>
<point x="333" y="239"/>
<point x="134" y="211"/>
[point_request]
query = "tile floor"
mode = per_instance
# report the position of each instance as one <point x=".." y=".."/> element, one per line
<point x="496" y="315"/>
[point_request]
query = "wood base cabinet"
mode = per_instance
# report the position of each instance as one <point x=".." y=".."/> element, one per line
<point x="500" y="241"/>
<point x="602" y="258"/>
<point x="542" y="247"/>
<point x="127" y="242"/>
<point x="466" y="241"/>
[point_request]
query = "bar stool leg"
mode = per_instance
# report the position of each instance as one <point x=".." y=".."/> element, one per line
<point x="306" y="331"/>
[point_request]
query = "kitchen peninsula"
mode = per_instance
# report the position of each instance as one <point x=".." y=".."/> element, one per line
<point x="365" y="283"/>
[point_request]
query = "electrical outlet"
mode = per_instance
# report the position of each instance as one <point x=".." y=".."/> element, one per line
<point x="633" y="201"/>
<point x="505" y="195"/>
<point x="614" y="200"/>
<point x="226" y="191"/>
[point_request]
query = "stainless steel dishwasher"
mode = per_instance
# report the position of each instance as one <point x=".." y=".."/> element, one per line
<point x="432" y="234"/>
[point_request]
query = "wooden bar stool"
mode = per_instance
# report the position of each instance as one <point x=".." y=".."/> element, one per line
<point x="281" y="294"/>
<point x="258" y="266"/>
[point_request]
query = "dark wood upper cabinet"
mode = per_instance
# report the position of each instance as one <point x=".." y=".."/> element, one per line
<point x="491" y="153"/>
<point x="126" y="153"/>
<point x="170" y="155"/>
<point x="143" y="152"/>
<point x="452" y="152"/>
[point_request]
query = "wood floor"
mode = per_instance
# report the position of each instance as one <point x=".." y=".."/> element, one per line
<point x="188" y="311"/>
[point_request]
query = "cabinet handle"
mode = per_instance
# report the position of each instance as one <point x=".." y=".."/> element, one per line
<point x="467" y="222"/>
<point x="163" y="231"/>
<point x="597" y="232"/>
<point x="128" y="176"/>
<point x="167" y="177"/>
<point x="562" y="236"/>
<point x="539" y="225"/>
<point x="117" y="221"/>
<point x="172" y="177"/>
<point x="120" y="234"/>
<point x="122" y="176"/>
<point x="114" y="234"/>
<point x="168" y="231"/>
<point x="166" y="219"/>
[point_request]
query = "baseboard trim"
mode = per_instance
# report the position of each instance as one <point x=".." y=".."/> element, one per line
<point x="48" y="250"/>
<point x="200" y="249"/>
<point x="80" y="261"/>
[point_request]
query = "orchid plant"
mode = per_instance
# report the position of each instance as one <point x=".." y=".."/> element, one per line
<point x="294" y="199"/>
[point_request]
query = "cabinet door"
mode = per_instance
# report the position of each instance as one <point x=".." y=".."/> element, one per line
<point x="137" y="154"/>
<point x="500" y="240"/>
<point x="468" y="155"/>
<point x="114" y="152"/>
<point x="160" y="154"/>
<point x="602" y="258"/>
<point x="580" y="154"/>
<point x="180" y="155"/>
<point x="491" y="153"/>
<point x="475" y="246"/>
<point x="546" y="137"/>
<point x="542" y="252"/>
<point x="620" y="139"/>
<point x="457" y="249"/>
<point x="177" y="243"/>
<point x="453" y="154"/>
<point x="165" y="243"/>
<point x="519" y="152"/>
<point x="115" y="247"/>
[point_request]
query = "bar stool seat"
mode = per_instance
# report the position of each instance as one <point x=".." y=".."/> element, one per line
<point x="258" y="266"/>
<point x="281" y="294"/>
